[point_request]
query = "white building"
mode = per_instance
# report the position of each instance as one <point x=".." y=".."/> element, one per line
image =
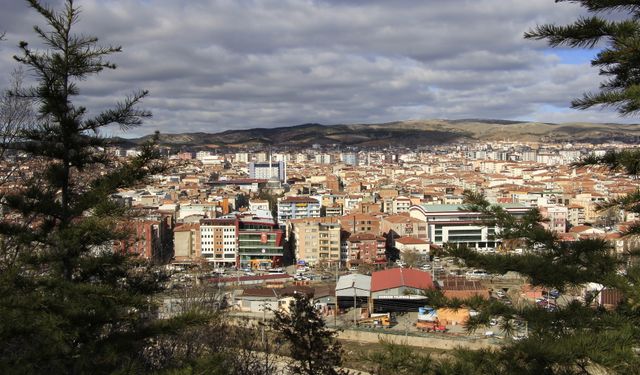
<point x="218" y="241"/>
<point x="452" y="224"/>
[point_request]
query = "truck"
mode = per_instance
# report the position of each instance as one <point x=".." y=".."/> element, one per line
<point x="430" y="326"/>
<point x="377" y="321"/>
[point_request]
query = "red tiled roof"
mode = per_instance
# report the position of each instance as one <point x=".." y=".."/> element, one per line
<point x="299" y="200"/>
<point x="580" y="228"/>
<point x="411" y="241"/>
<point x="238" y="181"/>
<point x="397" y="277"/>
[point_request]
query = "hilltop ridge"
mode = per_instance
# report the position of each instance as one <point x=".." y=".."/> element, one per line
<point x="410" y="133"/>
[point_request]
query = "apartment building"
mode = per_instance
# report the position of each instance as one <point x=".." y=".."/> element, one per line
<point x="186" y="242"/>
<point x="316" y="240"/>
<point x="297" y="207"/>
<point x="366" y="248"/>
<point x="401" y="204"/>
<point x="576" y="214"/>
<point x="268" y="171"/>
<point x="557" y="218"/>
<point x="360" y="223"/>
<point x="403" y="226"/>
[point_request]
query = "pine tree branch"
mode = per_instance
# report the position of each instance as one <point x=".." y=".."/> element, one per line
<point x="606" y="5"/>
<point x="584" y="33"/>
<point x="125" y="114"/>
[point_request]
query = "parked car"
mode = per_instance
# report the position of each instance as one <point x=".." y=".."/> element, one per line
<point x="554" y="293"/>
<point x="477" y="274"/>
<point x="548" y="305"/>
<point x="425" y="267"/>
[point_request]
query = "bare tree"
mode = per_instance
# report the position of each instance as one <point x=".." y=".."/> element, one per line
<point x="16" y="112"/>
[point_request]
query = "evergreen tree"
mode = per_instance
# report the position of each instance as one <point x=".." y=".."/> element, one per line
<point x="579" y="338"/>
<point x="619" y="58"/>
<point x="68" y="303"/>
<point x="313" y="347"/>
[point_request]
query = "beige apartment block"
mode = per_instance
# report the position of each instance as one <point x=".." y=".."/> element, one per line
<point x="403" y="226"/>
<point x="575" y="214"/>
<point x="316" y="240"/>
<point x="186" y="242"/>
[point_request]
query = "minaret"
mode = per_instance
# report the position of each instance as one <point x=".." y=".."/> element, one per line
<point x="270" y="167"/>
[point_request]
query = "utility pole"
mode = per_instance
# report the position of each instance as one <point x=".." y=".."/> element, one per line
<point x="335" y="292"/>
<point x="264" y="319"/>
<point x="355" y="316"/>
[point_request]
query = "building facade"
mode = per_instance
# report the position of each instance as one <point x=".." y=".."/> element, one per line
<point x="366" y="248"/>
<point x="260" y="242"/>
<point x="316" y="241"/>
<point x="455" y="225"/>
<point x="297" y="208"/>
<point x="268" y="171"/>
<point x="218" y="241"/>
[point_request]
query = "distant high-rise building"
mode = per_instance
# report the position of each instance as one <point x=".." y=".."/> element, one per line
<point x="242" y="157"/>
<point x="350" y="158"/>
<point x="260" y="157"/>
<point x="324" y="158"/>
<point x="269" y="171"/>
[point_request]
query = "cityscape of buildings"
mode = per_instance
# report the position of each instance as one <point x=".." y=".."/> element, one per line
<point x="266" y="209"/>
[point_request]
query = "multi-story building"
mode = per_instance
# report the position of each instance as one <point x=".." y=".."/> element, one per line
<point x="401" y="204"/>
<point x="576" y="214"/>
<point x="149" y="236"/>
<point x="242" y="157"/>
<point x="455" y="225"/>
<point x="218" y="242"/>
<point x="259" y="205"/>
<point x="557" y="218"/>
<point x="316" y="240"/>
<point x="366" y="248"/>
<point x="360" y="223"/>
<point x="186" y="242"/>
<point x="268" y="170"/>
<point x="260" y="242"/>
<point x="333" y="210"/>
<point x="250" y="240"/>
<point x="349" y="158"/>
<point x="297" y="208"/>
<point x="403" y="226"/>
<point x="324" y="158"/>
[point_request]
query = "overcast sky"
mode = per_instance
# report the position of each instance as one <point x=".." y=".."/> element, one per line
<point x="214" y="65"/>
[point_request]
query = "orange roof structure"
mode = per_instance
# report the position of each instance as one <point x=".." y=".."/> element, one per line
<point x="399" y="277"/>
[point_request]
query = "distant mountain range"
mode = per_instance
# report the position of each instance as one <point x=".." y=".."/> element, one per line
<point x="402" y="133"/>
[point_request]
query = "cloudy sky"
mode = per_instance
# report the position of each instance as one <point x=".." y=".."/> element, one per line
<point x="214" y="65"/>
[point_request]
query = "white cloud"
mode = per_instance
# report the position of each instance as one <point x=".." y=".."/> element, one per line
<point x="213" y="65"/>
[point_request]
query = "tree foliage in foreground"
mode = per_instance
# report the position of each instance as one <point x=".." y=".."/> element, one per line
<point x="614" y="27"/>
<point x="579" y="338"/>
<point x="68" y="303"/>
<point x="312" y="346"/>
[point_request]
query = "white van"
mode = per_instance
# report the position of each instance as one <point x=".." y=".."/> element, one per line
<point x="478" y="274"/>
